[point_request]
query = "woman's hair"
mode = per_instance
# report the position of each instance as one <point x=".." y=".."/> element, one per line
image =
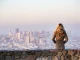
<point x="60" y="26"/>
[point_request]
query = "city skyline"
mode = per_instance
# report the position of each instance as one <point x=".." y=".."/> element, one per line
<point x="34" y="40"/>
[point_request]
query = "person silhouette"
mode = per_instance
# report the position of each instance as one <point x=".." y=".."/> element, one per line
<point x="60" y="37"/>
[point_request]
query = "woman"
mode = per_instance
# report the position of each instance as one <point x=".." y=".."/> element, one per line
<point x="60" y="37"/>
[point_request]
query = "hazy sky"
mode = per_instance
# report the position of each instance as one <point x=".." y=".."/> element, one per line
<point x="21" y="12"/>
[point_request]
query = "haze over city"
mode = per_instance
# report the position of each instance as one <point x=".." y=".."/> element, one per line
<point x="39" y="14"/>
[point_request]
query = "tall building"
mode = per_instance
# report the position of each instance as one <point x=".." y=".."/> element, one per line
<point x="31" y="33"/>
<point x="21" y="34"/>
<point x="27" y="39"/>
<point x="17" y="30"/>
<point x="17" y="34"/>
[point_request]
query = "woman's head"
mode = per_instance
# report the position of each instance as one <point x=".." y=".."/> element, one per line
<point x="60" y="26"/>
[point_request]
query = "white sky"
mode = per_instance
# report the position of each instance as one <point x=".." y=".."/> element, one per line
<point x="13" y="12"/>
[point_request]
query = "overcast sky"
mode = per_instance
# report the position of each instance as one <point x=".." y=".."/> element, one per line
<point x="21" y="12"/>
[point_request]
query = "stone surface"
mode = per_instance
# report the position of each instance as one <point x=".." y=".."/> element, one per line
<point x="41" y="55"/>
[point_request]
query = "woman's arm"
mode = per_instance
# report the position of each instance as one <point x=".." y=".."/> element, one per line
<point x="53" y="37"/>
<point x="66" y="37"/>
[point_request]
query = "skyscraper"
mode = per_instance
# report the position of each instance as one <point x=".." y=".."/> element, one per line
<point x="17" y="30"/>
<point x="17" y="34"/>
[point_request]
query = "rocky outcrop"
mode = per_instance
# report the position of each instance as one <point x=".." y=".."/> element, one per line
<point x="41" y="55"/>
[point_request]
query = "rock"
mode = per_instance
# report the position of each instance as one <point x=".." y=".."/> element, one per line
<point x="8" y="58"/>
<point x="41" y="55"/>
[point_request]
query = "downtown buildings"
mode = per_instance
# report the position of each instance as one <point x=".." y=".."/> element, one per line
<point x="26" y="40"/>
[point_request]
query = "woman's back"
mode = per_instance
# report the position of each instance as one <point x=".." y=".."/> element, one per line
<point x="60" y="37"/>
